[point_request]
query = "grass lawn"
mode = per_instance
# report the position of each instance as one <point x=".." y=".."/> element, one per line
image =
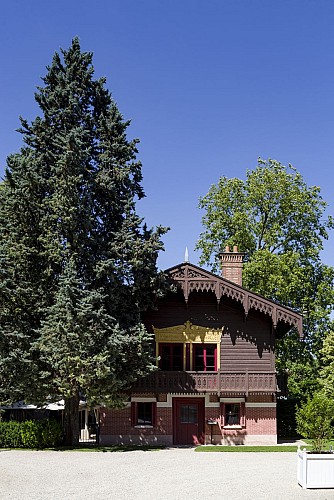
<point x="268" y="449"/>
<point x="242" y="448"/>
<point x="327" y="447"/>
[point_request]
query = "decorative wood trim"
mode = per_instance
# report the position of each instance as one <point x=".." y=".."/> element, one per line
<point x="226" y="384"/>
<point x="289" y="317"/>
<point x="231" y="291"/>
<point x="261" y="305"/>
<point x="188" y="333"/>
<point x="189" y="277"/>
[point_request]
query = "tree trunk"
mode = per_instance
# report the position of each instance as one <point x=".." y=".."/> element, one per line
<point x="71" y="420"/>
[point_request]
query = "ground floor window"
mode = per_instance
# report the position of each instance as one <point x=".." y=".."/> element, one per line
<point x="233" y="414"/>
<point x="143" y="413"/>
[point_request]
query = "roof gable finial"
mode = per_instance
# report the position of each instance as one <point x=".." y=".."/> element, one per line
<point x="186" y="255"/>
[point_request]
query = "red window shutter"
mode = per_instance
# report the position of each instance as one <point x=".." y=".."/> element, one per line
<point x="222" y="414"/>
<point x="133" y="414"/>
<point x="154" y="414"/>
<point x="242" y="415"/>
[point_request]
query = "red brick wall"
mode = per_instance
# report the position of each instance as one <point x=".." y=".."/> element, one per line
<point x="165" y="421"/>
<point x="118" y="422"/>
<point x="261" y="420"/>
<point x="215" y="414"/>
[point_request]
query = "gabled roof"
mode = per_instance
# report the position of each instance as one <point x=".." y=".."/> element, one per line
<point x="190" y="278"/>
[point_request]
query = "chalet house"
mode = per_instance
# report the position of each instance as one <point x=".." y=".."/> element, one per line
<point x="216" y="380"/>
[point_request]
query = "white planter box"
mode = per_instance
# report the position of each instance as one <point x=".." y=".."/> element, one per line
<point x="315" y="470"/>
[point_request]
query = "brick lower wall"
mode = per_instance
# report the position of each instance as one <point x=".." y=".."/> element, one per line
<point x="260" y="427"/>
<point x="116" y="428"/>
<point x="261" y="420"/>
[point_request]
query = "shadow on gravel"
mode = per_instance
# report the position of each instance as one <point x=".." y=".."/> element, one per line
<point x="108" y="449"/>
<point x="102" y="449"/>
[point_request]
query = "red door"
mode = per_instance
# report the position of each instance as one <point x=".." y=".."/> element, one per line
<point x="188" y="421"/>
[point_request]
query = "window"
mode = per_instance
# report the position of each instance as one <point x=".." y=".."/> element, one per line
<point x="188" y="414"/>
<point x="205" y="357"/>
<point x="171" y="357"/>
<point x="143" y="413"/>
<point x="233" y="414"/>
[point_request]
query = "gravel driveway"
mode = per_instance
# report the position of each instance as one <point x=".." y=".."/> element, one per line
<point x="171" y="474"/>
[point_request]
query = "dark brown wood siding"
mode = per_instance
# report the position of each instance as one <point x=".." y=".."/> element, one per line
<point x="247" y="343"/>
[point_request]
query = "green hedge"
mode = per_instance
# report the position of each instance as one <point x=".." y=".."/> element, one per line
<point x="30" y="434"/>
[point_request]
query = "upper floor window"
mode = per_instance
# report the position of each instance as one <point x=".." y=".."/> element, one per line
<point x="205" y="357"/>
<point x="171" y="357"/>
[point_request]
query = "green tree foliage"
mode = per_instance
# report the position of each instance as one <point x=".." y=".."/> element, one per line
<point x="315" y="420"/>
<point x="78" y="266"/>
<point x="327" y="370"/>
<point x="280" y="224"/>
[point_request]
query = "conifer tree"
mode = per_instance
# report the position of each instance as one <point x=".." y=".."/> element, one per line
<point x="78" y="266"/>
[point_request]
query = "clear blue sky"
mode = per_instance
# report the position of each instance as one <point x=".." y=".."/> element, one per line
<point x="209" y="85"/>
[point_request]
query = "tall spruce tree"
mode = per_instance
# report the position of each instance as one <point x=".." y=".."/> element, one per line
<point x="78" y="265"/>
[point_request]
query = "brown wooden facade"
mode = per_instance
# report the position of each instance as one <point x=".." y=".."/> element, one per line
<point x="215" y="345"/>
<point x="248" y="324"/>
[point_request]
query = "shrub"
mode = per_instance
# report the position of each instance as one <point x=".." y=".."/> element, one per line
<point x="30" y="434"/>
<point x="51" y="433"/>
<point x="315" y="420"/>
<point x="10" y="435"/>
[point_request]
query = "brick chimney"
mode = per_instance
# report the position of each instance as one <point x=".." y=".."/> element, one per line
<point x="232" y="265"/>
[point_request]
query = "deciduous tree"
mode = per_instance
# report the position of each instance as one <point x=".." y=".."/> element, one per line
<point x="327" y="370"/>
<point x="280" y="224"/>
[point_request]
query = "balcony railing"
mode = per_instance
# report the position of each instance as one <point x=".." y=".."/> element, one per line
<point x="213" y="382"/>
